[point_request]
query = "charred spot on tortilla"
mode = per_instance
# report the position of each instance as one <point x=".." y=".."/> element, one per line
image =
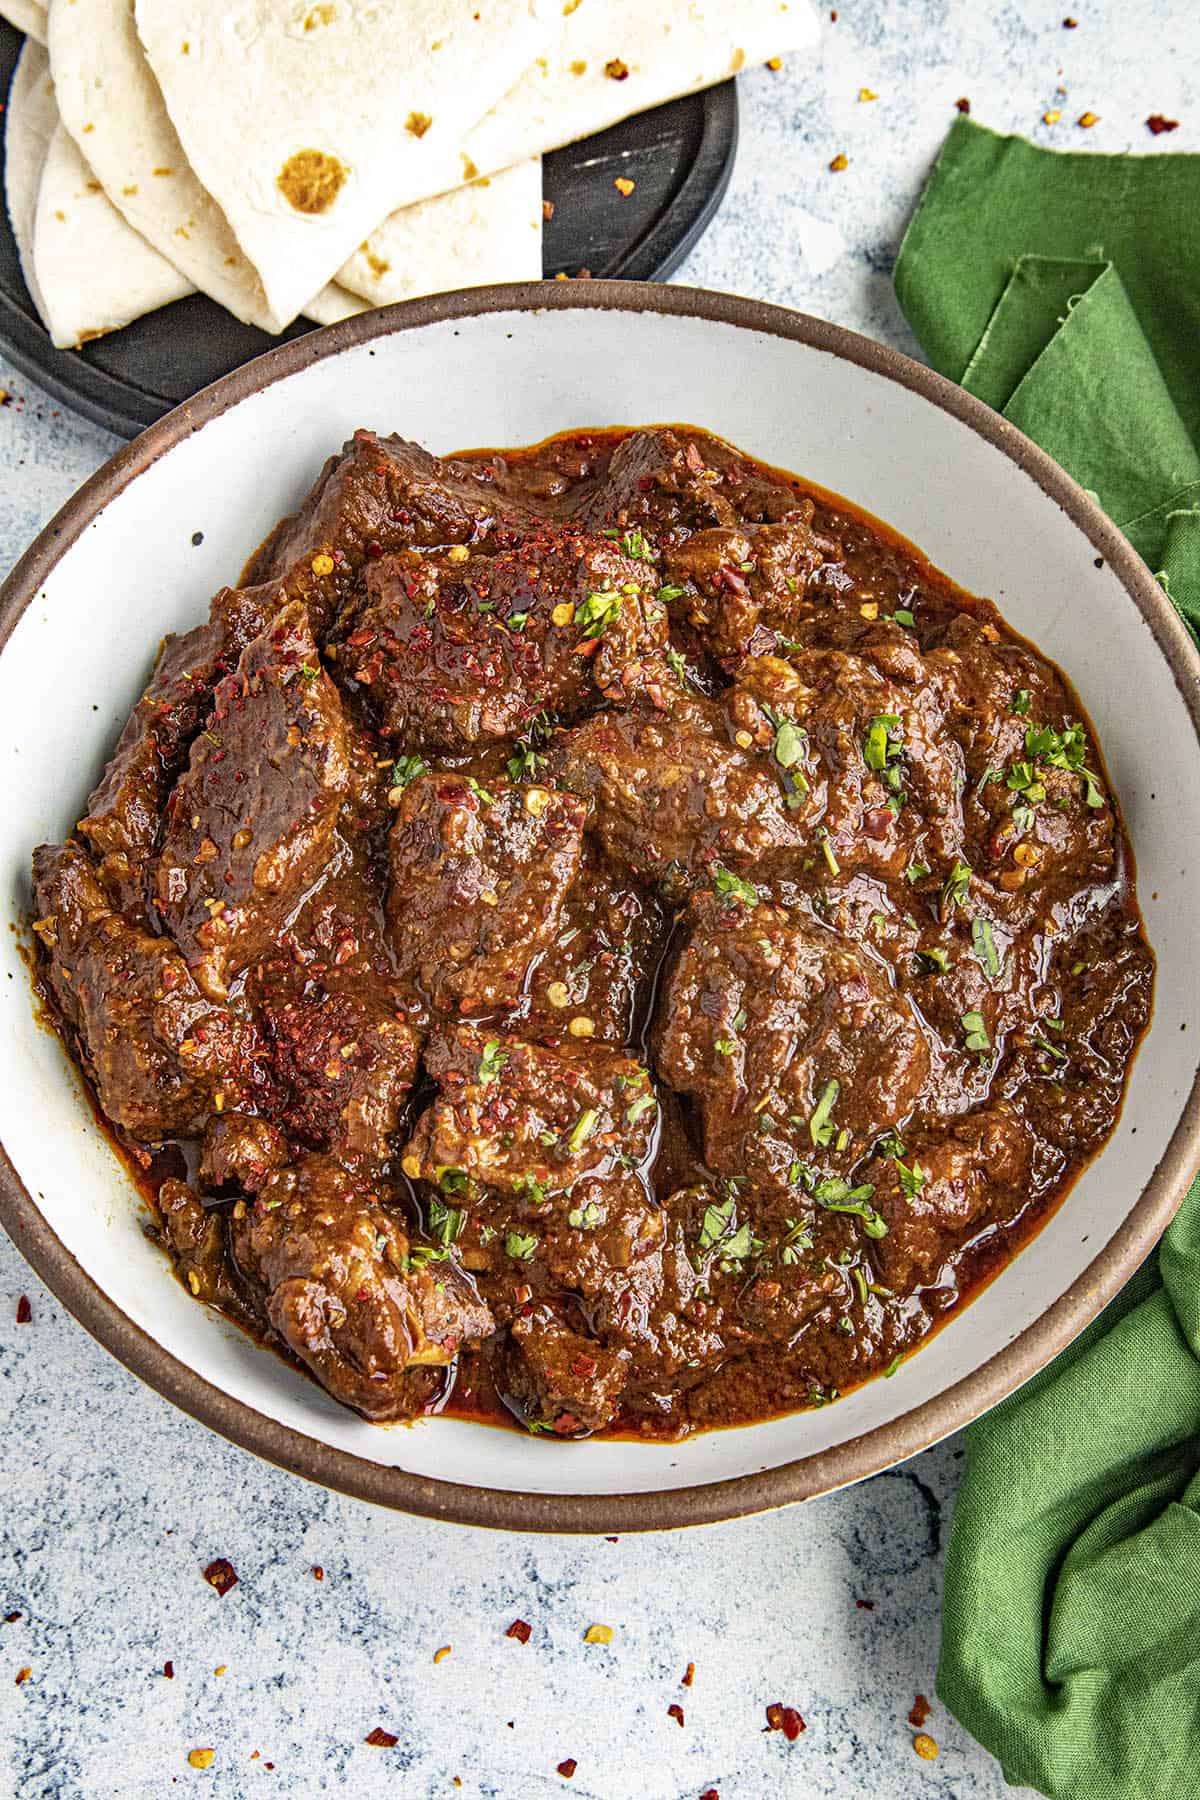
<point x="311" y="180"/>
<point x="418" y="123"/>
<point x="616" y="70"/>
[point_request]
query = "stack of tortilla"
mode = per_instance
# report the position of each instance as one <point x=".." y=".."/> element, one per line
<point x="318" y="157"/>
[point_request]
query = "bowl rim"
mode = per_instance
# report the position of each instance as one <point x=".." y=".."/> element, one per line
<point x="805" y="1477"/>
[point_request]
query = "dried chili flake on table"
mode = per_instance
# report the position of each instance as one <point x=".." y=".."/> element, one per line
<point x="1052" y="116"/>
<point x="24" y="1310"/>
<point x="441" y="1654"/>
<point x="839" y="162"/>
<point x="774" y="63"/>
<point x="1158" y="124"/>
<point x="10" y="1618"/>
<point x="201" y="1759"/>
<point x="318" y="1572"/>
<point x="1087" y="120"/>
<point x="519" y="1630"/>
<point x="624" y="186"/>
<point x="381" y="1739"/>
<point x="865" y="1605"/>
<point x="689" y="1675"/>
<point x="598" y="1634"/>
<point x="23" y="1675"/>
<point x="221" y="1575"/>
<point x="1070" y="24"/>
<point x="919" y="1712"/>
<point x="865" y="94"/>
<point x="711" y="1793"/>
<point x="567" y="1767"/>
<point x="785" y="1719"/>
<point x="925" y="1747"/>
<point x="169" y="1670"/>
<point x="547" y="210"/>
<point x="963" y="104"/>
<point x="675" y="1711"/>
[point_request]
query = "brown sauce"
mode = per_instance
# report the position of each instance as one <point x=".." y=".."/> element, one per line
<point x="603" y="933"/>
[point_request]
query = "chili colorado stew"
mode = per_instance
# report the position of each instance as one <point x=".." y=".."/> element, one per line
<point x="603" y="935"/>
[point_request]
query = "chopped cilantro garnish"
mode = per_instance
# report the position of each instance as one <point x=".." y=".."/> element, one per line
<point x="531" y="1188"/>
<point x="596" y="612"/>
<point x="916" y="871"/>
<point x="725" y="1046"/>
<point x="732" y="887"/>
<point x="481" y="793"/>
<point x="667" y="594"/>
<point x="935" y="961"/>
<point x="445" y="1222"/>
<point x="679" y="668"/>
<point x="954" y="891"/>
<point x="525" y="761"/>
<point x="716" y="1222"/>
<point x="582" y="1130"/>
<point x="976" y="1031"/>
<point x="308" y="672"/>
<point x="520" y="1246"/>
<point x="452" y="1180"/>
<point x="637" y="545"/>
<point x="796" y="1242"/>
<point x="836" y="1195"/>
<point x="983" y="943"/>
<point x="820" y="1126"/>
<point x="491" y="1062"/>
<point x="1019" y="703"/>
<point x="406" y="771"/>
<point x="1022" y="818"/>
<point x="912" y="1180"/>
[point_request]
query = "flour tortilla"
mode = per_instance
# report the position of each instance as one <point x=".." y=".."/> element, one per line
<point x="29" y="123"/>
<point x="309" y="121"/>
<point x="28" y="16"/>
<point x="111" y="106"/>
<point x="669" y="47"/>
<point x="94" y="272"/>
<point x="488" y="231"/>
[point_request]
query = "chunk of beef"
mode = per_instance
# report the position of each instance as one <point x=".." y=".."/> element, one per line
<point x="240" y="1152"/>
<point x="195" y="1237"/>
<point x="795" y="1047"/>
<point x="1036" y="812"/>
<point x="345" y="1293"/>
<point x="552" y="1377"/>
<point x="675" y="794"/>
<point x="383" y="494"/>
<point x="125" y="808"/>
<point x="478" y="878"/>
<point x="161" y="1054"/>
<point x="592" y="980"/>
<point x="458" y="648"/>
<point x="344" y="1041"/>
<point x="517" y="1117"/>
<point x="744" y="586"/>
<point x="250" y="823"/>
<point x="876" y="757"/>
<point x="951" y="1184"/>
<point x="672" y="481"/>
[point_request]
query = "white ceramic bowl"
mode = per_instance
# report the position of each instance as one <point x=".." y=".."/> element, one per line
<point x="84" y="609"/>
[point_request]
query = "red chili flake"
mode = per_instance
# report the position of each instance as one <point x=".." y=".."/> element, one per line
<point x="785" y="1719"/>
<point x="711" y="1793"/>
<point x="169" y="1670"/>
<point x="381" y="1739"/>
<point x="689" y="1675"/>
<point x="519" y="1630"/>
<point x="609" y="1540"/>
<point x="675" y="1711"/>
<point x="567" y="1767"/>
<point x="23" y="1675"/>
<point x="318" y="1572"/>
<point x="921" y="1710"/>
<point x="221" y="1575"/>
<point x="963" y="104"/>
<point x="11" y="1618"/>
<point x="1070" y="24"/>
<point x="865" y="1605"/>
<point x="547" y="210"/>
<point x="1157" y="124"/>
<point x="24" y="1310"/>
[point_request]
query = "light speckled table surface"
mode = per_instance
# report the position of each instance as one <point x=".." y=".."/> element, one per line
<point x="113" y="1503"/>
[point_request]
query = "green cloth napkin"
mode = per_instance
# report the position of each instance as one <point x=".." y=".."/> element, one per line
<point x="1065" y="291"/>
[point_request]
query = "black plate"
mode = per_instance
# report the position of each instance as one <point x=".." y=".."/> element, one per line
<point x="678" y="156"/>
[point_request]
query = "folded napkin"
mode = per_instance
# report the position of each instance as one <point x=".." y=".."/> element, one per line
<point x="1065" y="291"/>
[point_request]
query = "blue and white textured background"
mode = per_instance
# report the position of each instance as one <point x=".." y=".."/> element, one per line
<point x="111" y="1503"/>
